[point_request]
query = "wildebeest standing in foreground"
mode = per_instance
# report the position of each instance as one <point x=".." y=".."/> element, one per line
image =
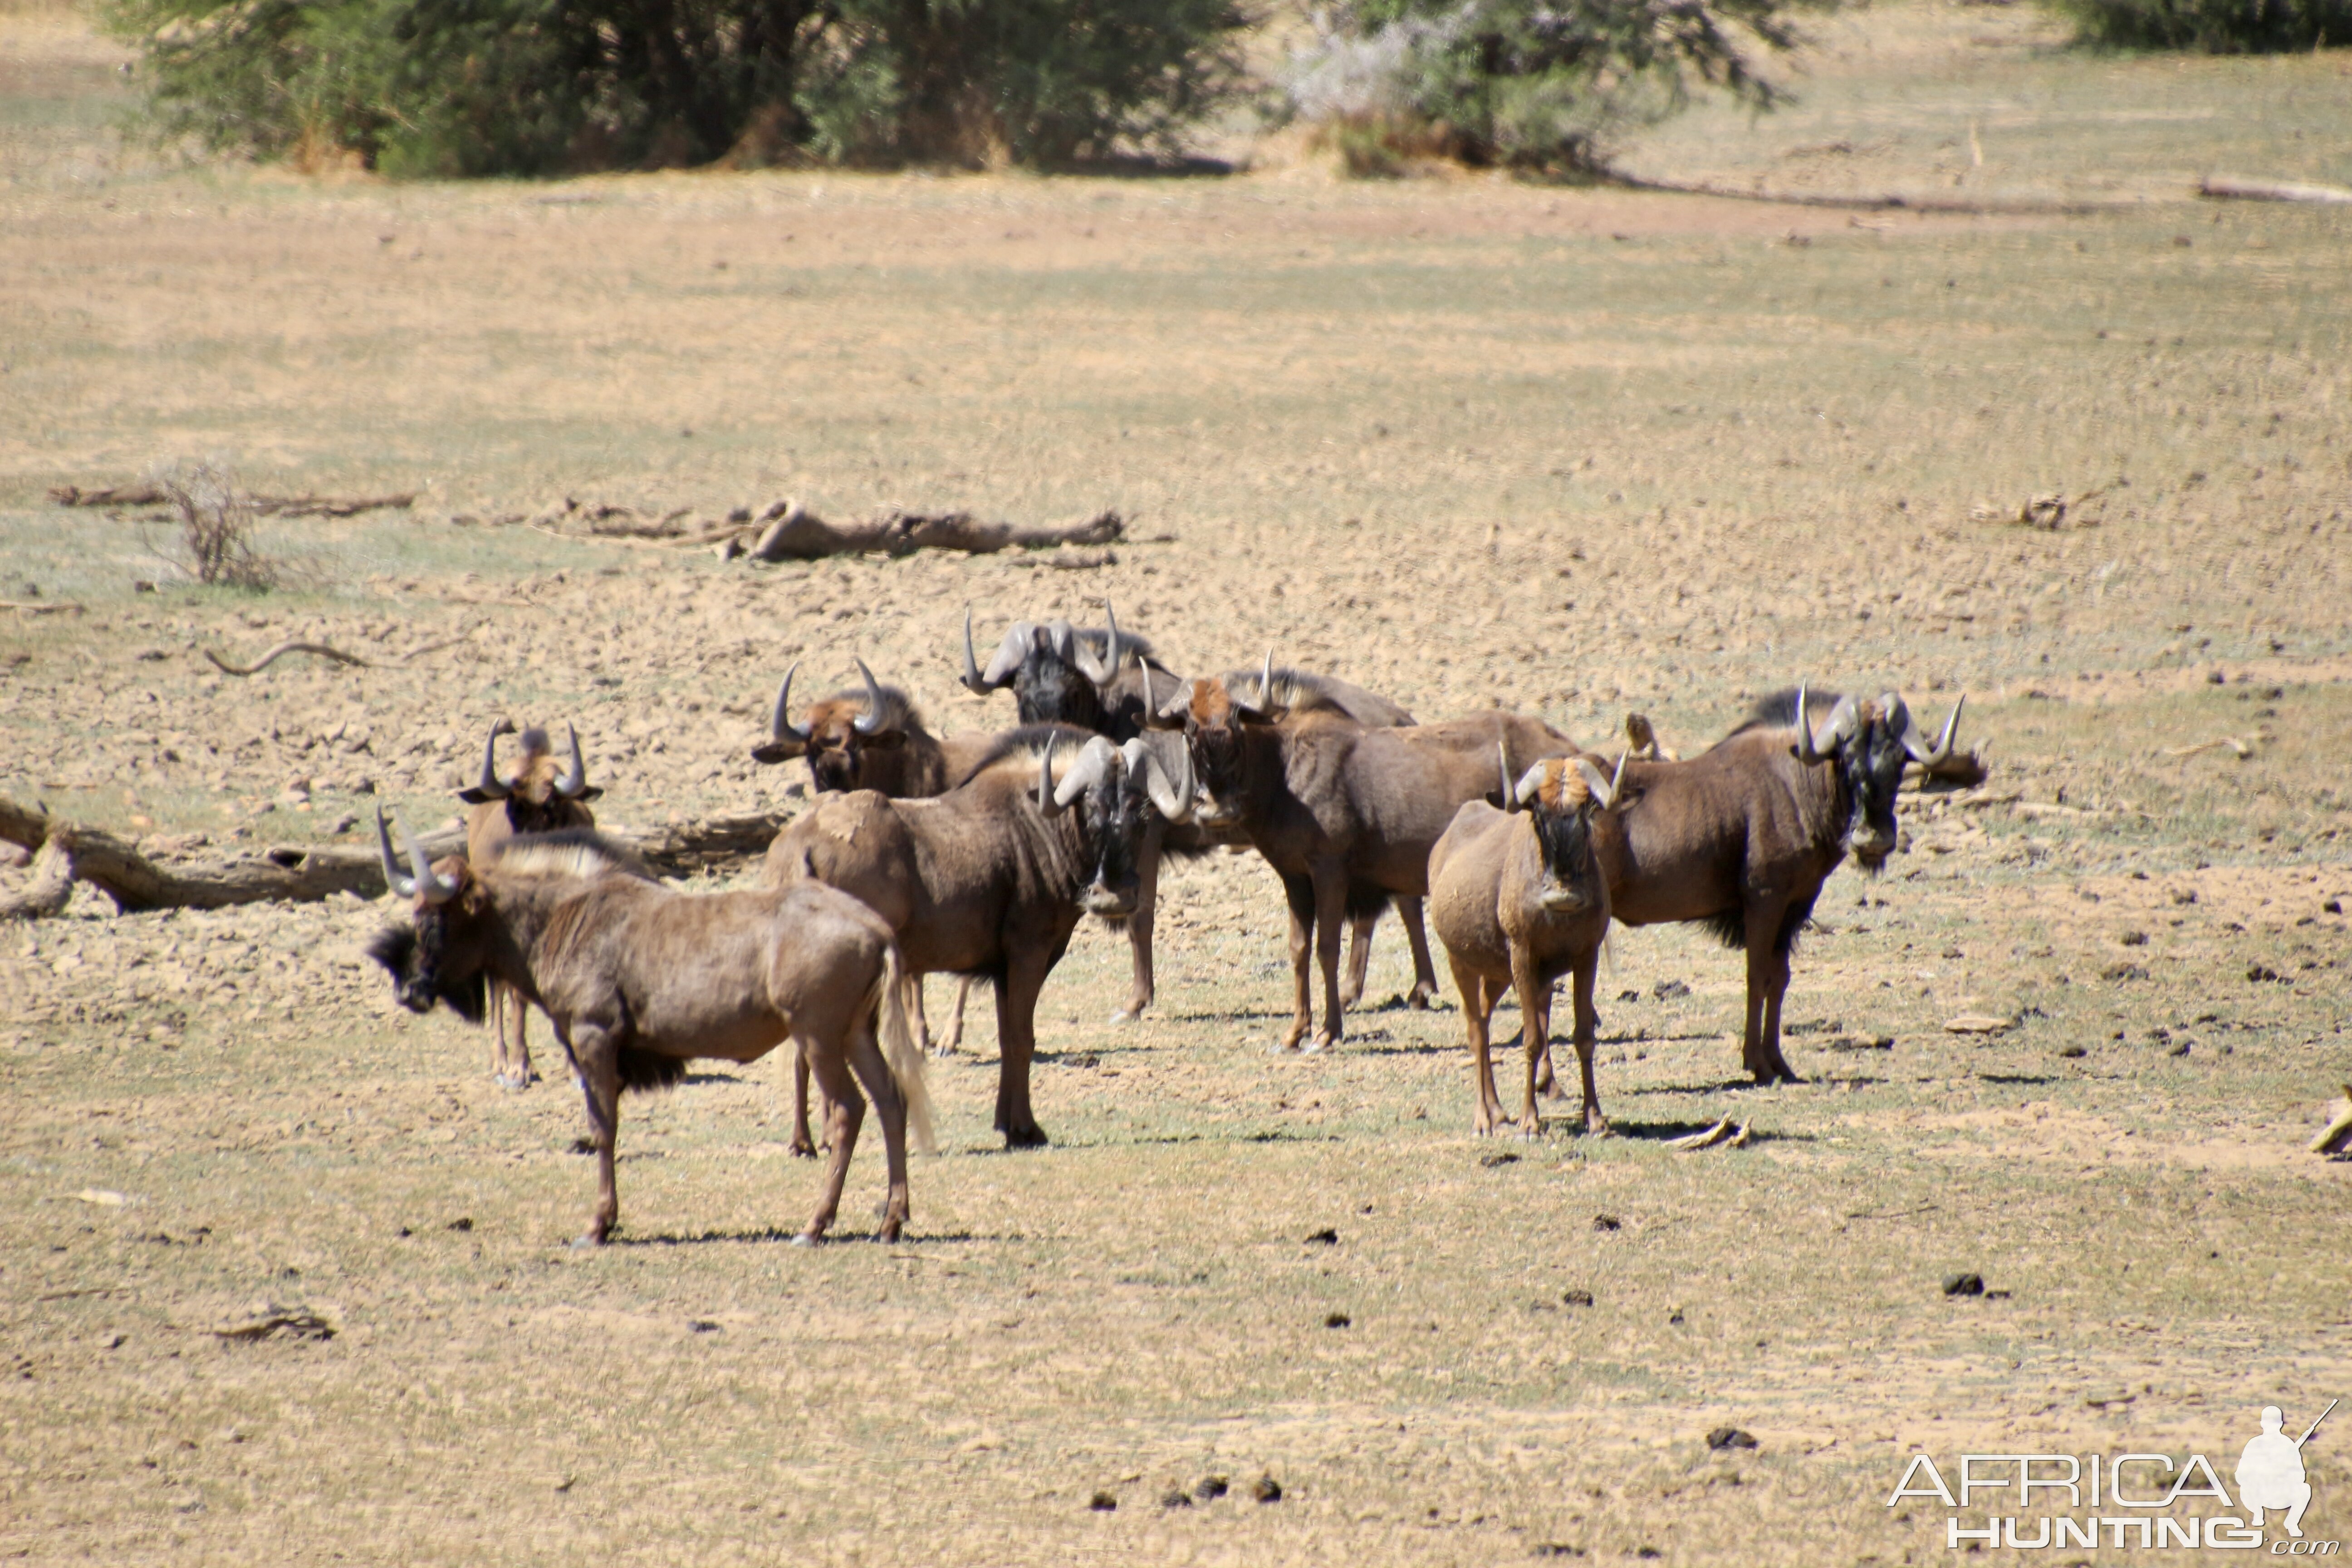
<point x="874" y="740"/>
<point x="534" y="798"/>
<point x="639" y="980"/>
<point x="1741" y="836"/>
<point x="1345" y="814"/>
<point x="1518" y="899"/>
<point x="1100" y="681"/>
<point x="992" y="877"/>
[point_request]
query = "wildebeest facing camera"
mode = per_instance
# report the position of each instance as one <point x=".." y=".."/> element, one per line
<point x="416" y="974"/>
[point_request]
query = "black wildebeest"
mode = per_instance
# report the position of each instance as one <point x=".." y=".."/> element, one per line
<point x="1741" y="836"/>
<point x="639" y="980"/>
<point x="1345" y="814"/>
<point x="870" y="739"/>
<point x="992" y="877"/>
<point x="1518" y="899"/>
<point x="534" y="798"/>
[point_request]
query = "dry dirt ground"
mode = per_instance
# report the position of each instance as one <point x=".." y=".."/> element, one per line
<point x="1466" y="441"/>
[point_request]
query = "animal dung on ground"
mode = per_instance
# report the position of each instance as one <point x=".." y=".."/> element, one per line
<point x="1666" y="990"/>
<point x="1607" y="1222"/>
<point x="1175" y="1497"/>
<point x="1979" y="1023"/>
<point x="1103" y="1502"/>
<point x="463" y="1221"/>
<point x="1266" y="1489"/>
<point x="1491" y="1161"/>
<point x="2337" y="1137"/>
<point x="1964" y="1285"/>
<point x="2073" y="1053"/>
<point x="1723" y="1439"/>
<point x="2134" y="971"/>
<point x="1338" y="1320"/>
<point x="2262" y="972"/>
<point x="1724" y="1134"/>
<point x="1209" y="1489"/>
<point x="267" y="1322"/>
<point x="1629" y="996"/>
<point x="1858" y="1043"/>
<point x="1327" y="1237"/>
<point x="1576" y="1298"/>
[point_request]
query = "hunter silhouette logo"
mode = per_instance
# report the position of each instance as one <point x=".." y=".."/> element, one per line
<point x="2270" y="1473"/>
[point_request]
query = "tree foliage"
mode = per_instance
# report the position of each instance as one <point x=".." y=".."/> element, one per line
<point x="1528" y="83"/>
<point x="2213" y="26"/>
<point x="534" y="87"/>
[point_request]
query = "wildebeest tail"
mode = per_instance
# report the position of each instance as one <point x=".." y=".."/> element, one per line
<point x="1365" y="900"/>
<point x="899" y="1048"/>
<point x="642" y="1070"/>
<point x="1728" y="927"/>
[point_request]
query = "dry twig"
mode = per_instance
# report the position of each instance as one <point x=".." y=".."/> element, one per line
<point x="2337" y="1139"/>
<point x="267" y="659"/>
<point x="2218" y="186"/>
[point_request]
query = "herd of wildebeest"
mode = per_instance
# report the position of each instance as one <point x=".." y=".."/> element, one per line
<point x="978" y="855"/>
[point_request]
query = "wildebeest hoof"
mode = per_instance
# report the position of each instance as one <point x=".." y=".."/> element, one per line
<point x="1417" y="999"/>
<point x="800" y="1151"/>
<point x="587" y="1239"/>
<point x="1126" y="1015"/>
<point x="808" y="1238"/>
<point x="1025" y="1138"/>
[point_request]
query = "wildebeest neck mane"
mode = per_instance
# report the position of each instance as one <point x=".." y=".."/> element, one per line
<point x="1027" y="743"/>
<point x="568" y="852"/>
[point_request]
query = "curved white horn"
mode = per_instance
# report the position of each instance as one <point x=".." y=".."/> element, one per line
<point x="1100" y="671"/>
<point x="490" y="788"/>
<point x="426" y="882"/>
<point x="1930" y="755"/>
<point x="1530" y="784"/>
<point x="1045" y="779"/>
<point x="575" y="778"/>
<point x="402" y="884"/>
<point x="1823" y="741"/>
<point x="972" y="679"/>
<point x="1602" y="789"/>
<point x="780" y="721"/>
<point x="1502" y="772"/>
<point x="870" y="721"/>
<point x="1093" y="762"/>
<point x="1806" y="751"/>
<point x="1011" y="652"/>
<point x="1260" y="708"/>
<point x="1173" y="798"/>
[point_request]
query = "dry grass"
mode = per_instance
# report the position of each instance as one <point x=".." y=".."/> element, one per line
<point x="1463" y="440"/>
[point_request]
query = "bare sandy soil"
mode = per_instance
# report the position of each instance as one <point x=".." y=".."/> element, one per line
<point x="1465" y="441"/>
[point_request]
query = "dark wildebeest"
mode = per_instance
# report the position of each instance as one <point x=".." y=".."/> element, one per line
<point x="992" y="877"/>
<point x="534" y="798"/>
<point x="639" y="980"/>
<point x="1741" y="836"/>
<point x="1345" y="814"/>
<point x="876" y="740"/>
<point x="1518" y="899"/>
<point x="1101" y="681"/>
<point x="870" y="739"/>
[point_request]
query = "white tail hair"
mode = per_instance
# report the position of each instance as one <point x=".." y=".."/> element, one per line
<point x="899" y="1050"/>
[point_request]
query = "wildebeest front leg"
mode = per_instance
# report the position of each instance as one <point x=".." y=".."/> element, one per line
<point x="1299" y="891"/>
<point x="801" y="1147"/>
<point x="1016" y="1042"/>
<point x="948" y="1046"/>
<point x="867" y="1061"/>
<point x="596" y="1053"/>
<point x="1359" y="957"/>
<point x="1588" y="1030"/>
<point x="1330" y="920"/>
<point x="1478" y="999"/>
<point x="1424" y="970"/>
<point x="1139" y="933"/>
<point x="1534" y="1034"/>
<point x="1768" y="980"/>
<point x="844" y="1109"/>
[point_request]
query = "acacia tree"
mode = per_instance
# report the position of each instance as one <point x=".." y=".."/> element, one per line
<point x="1528" y="83"/>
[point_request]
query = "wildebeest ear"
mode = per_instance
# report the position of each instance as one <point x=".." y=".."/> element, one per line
<point x="773" y="752"/>
<point x="590" y="792"/>
<point x="472" y="796"/>
<point x="886" y="739"/>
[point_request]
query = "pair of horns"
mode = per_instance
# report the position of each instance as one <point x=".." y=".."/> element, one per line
<point x="1259" y="709"/>
<point x="421" y="879"/>
<point x="1517" y="796"/>
<point x="1818" y="743"/>
<point x="570" y="786"/>
<point x="780" y="720"/>
<point x="1173" y="798"/>
<point x="1019" y="638"/>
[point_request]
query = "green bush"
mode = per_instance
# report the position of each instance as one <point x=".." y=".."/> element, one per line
<point x="536" y="87"/>
<point x="2213" y="26"/>
<point x="1525" y="83"/>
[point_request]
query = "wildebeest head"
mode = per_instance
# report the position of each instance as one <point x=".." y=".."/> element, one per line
<point x="1060" y="674"/>
<point x="440" y="955"/>
<point x="1211" y="712"/>
<point x="1869" y="742"/>
<point x="1121" y="793"/>
<point x="539" y="797"/>
<point x="1560" y="797"/>
<point x="840" y="730"/>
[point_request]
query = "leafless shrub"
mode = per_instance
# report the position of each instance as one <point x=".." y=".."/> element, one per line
<point x="217" y="523"/>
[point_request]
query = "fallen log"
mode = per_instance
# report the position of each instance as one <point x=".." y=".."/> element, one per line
<point x="69" y="852"/>
<point x="268" y="506"/>
<point x="799" y="535"/>
<point x="2219" y="188"/>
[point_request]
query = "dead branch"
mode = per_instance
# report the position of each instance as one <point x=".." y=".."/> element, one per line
<point x="34" y="608"/>
<point x="70" y="852"/>
<point x="798" y="535"/>
<point x="270" y="505"/>
<point x="1082" y="560"/>
<point x="2216" y="187"/>
<point x="417" y="653"/>
<point x="2243" y="750"/>
<point x="2337" y="1139"/>
<point x="267" y="659"/>
<point x="1723" y="1133"/>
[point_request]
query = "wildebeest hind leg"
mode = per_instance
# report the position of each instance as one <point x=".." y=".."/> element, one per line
<point x="1588" y="1026"/>
<point x="1359" y="957"/>
<point x="1016" y="1042"/>
<point x="1300" y="892"/>
<point x="1424" y="970"/>
<point x="1535" y="1035"/>
<point x="1477" y="1010"/>
<point x="598" y="1056"/>
<point x="801" y="1147"/>
<point x="1139" y="936"/>
<point x="955" y="1019"/>
<point x="867" y="1061"/>
<point x="1330" y="920"/>
<point x="846" y="1109"/>
<point x="1776" y="987"/>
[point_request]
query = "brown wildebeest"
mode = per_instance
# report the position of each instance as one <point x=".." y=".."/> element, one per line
<point x="1741" y="836"/>
<point x="639" y="980"/>
<point x="870" y="739"/>
<point x="1345" y="814"/>
<point x="992" y="877"/>
<point x="1102" y="681"/>
<point x="534" y="798"/>
<point x="1518" y="899"/>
